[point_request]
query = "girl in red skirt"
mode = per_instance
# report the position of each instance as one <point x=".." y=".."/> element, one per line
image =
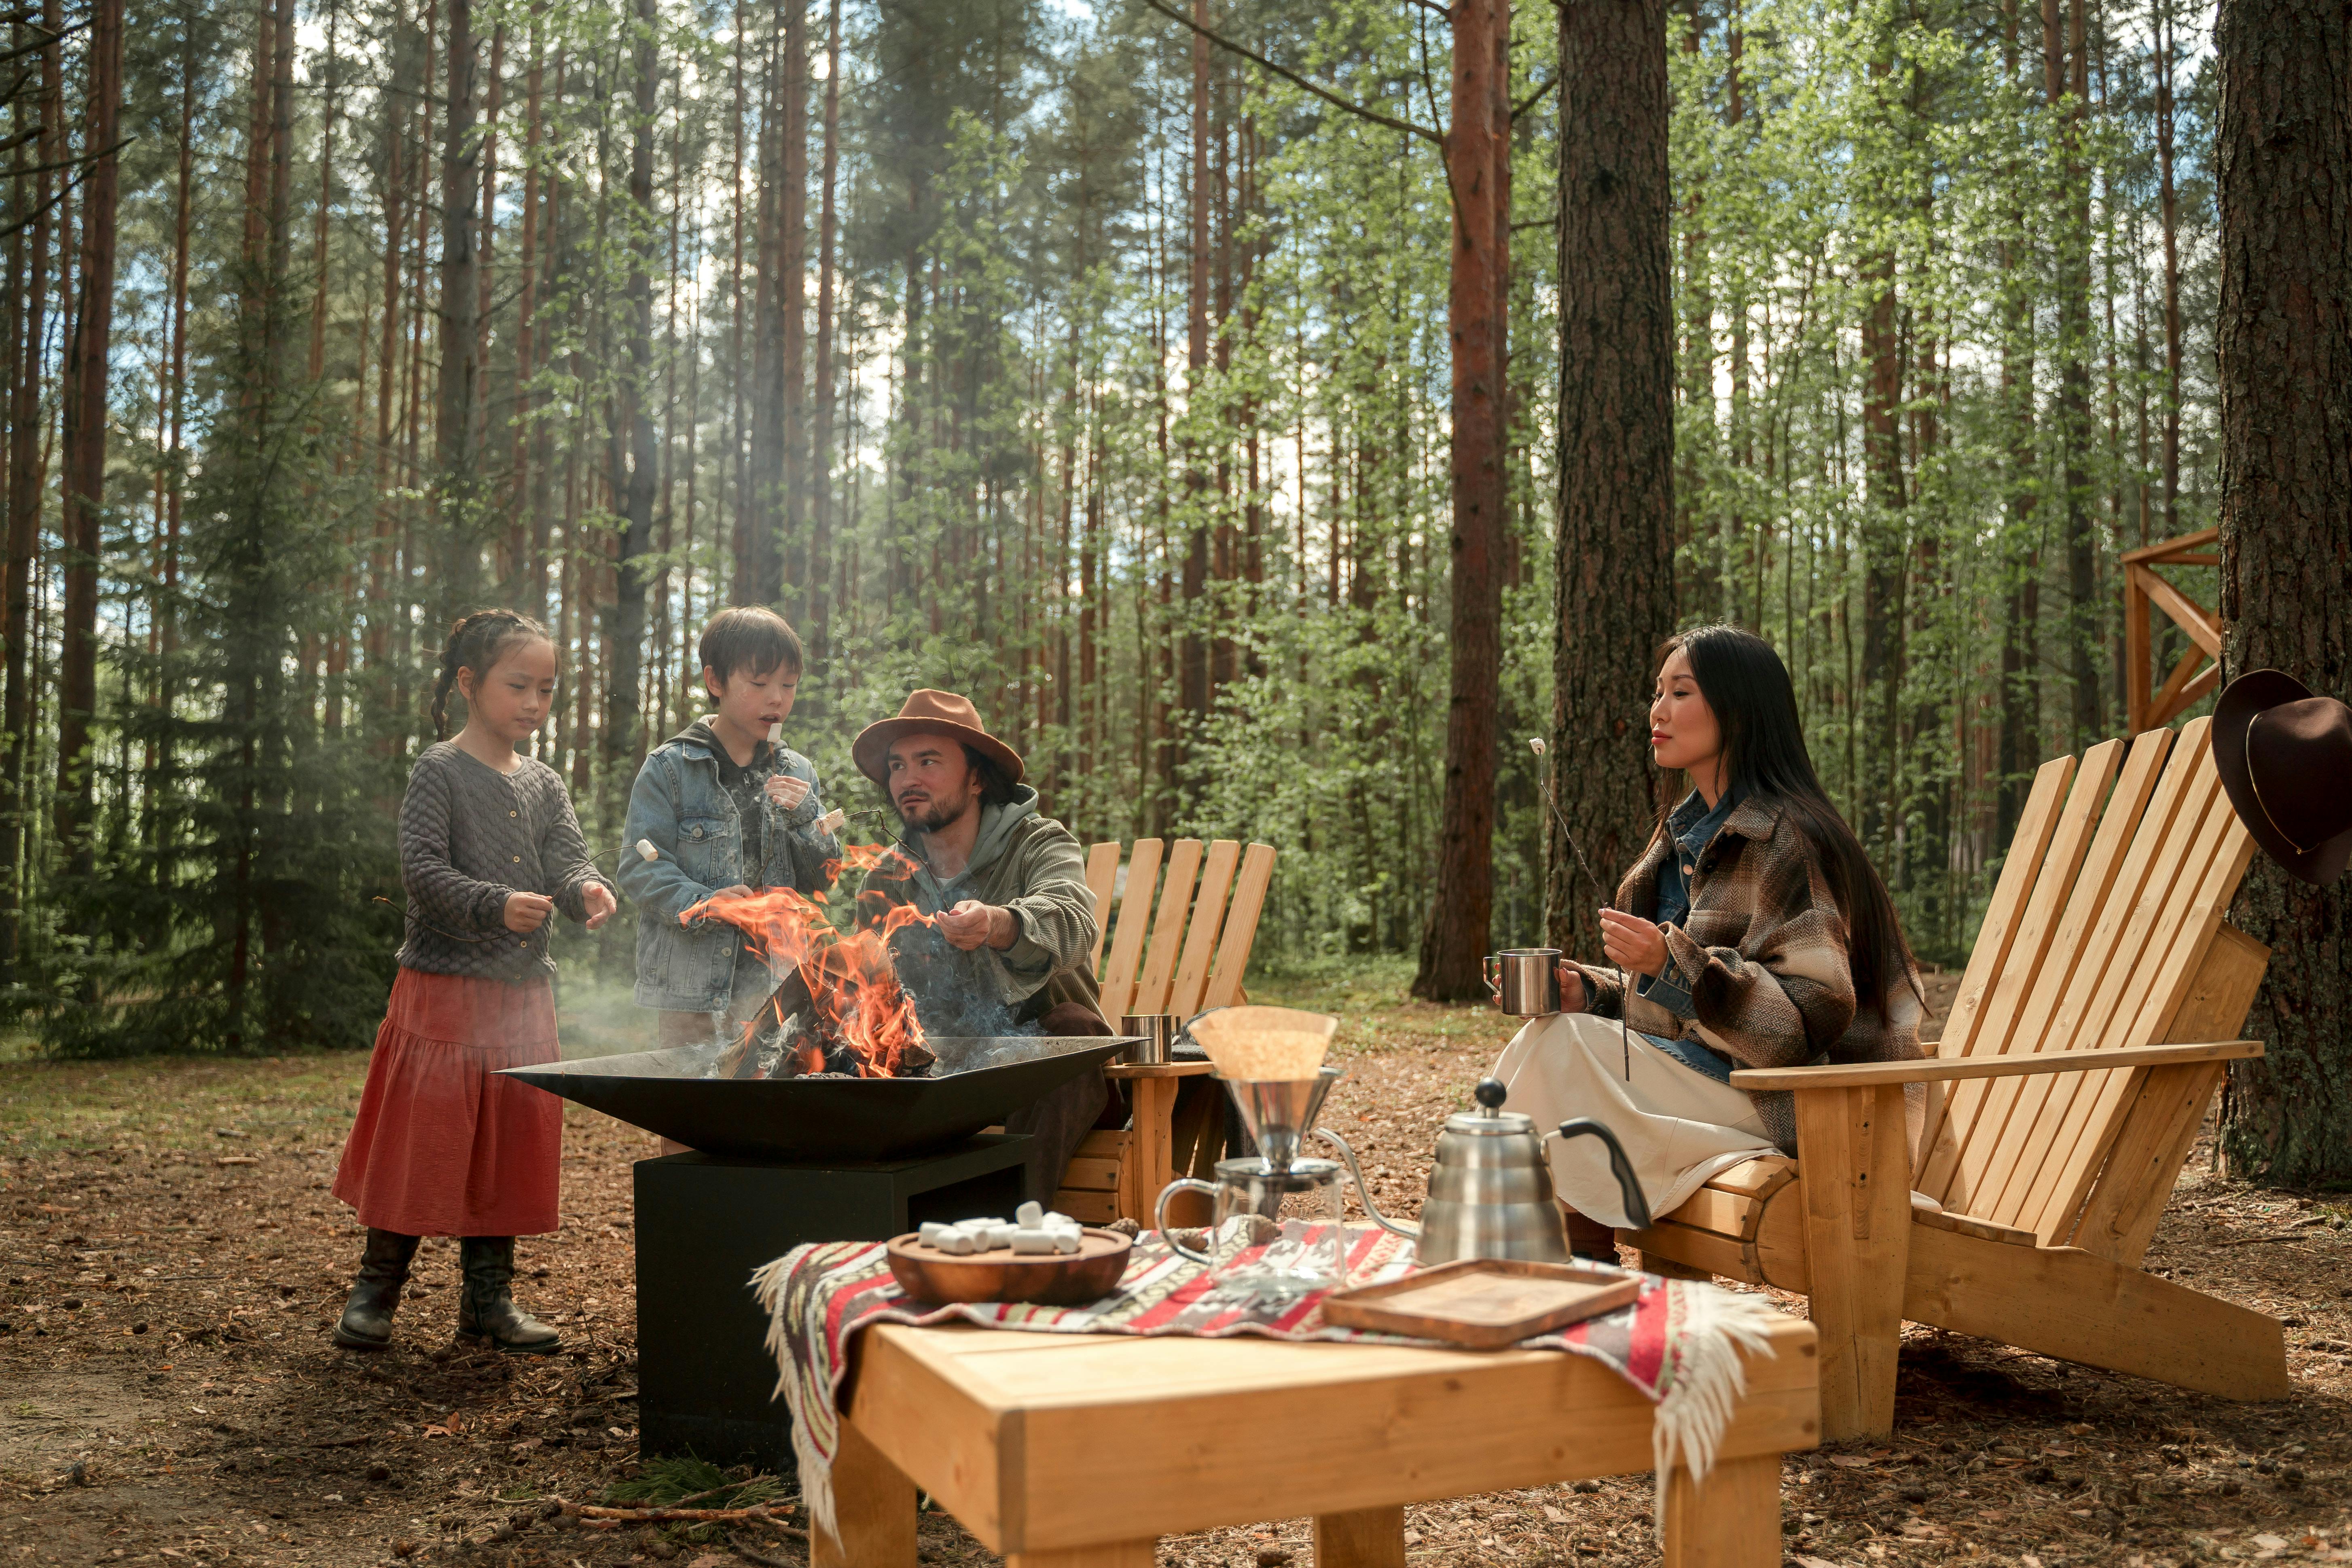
<point x="488" y="849"/>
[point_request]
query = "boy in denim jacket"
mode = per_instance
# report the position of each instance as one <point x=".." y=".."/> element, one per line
<point x="727" y="813"/>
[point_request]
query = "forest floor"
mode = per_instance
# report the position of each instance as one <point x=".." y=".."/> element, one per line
<point x="170" y="1260"/>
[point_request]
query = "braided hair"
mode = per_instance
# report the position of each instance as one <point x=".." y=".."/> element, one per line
<point x="476" y="643"/>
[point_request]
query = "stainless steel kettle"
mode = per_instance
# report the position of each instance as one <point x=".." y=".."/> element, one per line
<point x="1490" y="1190"/>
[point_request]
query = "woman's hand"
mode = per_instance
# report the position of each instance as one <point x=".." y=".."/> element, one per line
<point x="1572" y="989"/>
<point x="1632" y="943"/>
<point x="601" y="903"/>
<point x="787" y="791"/>
<point x="526" y="912"/>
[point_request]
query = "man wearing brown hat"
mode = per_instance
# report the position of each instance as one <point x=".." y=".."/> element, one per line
<point x="1011" y="945"/>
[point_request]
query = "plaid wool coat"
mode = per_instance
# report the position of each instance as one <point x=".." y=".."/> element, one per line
<point x="1762" y="958"/>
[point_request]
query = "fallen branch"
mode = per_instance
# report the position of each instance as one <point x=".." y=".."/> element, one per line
<point x="760" y="1513"/>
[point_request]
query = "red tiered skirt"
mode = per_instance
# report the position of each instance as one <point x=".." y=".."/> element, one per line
<point x="442" y="1146"/>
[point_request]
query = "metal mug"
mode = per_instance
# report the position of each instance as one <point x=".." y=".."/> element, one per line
<point x="1524" y="981"/>
<point x="1155" y="1035"/>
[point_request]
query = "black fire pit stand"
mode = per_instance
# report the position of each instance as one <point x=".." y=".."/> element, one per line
<point x="705" y="1223"/>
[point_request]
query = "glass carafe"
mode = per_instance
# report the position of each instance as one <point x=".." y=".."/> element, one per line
<point x="1274" y="1236"/>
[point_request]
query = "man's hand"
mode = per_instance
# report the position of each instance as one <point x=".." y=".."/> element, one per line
<point x="787" y="791"/>
<point x="1632" y="943"/>
<point x="601" y="903"/>
<point x="526" y="912"/>
<point x="972" y="923"/>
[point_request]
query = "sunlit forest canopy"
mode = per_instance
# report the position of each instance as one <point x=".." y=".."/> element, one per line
<point x="1048" y="353"/>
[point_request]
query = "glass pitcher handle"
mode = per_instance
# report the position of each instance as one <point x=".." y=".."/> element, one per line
<point x="1160" y="1214"/>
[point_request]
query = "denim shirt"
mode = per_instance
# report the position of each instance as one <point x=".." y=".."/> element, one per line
<point x="678" y="804"/>
<point x="1692" y="827"/>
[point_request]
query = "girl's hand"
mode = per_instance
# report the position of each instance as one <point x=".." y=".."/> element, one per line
<point x="787" y="791"/>
<point x="601" y="903"/>
<point x="1572" y="990"/>
<point x="526" y="912"/>
<point x="1632" y="943"/>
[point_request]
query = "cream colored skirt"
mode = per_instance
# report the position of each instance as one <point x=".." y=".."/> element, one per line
<point x="1678" y="1127"/>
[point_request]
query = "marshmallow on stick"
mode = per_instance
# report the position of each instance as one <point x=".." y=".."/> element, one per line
<point x="1264" y="1044"/>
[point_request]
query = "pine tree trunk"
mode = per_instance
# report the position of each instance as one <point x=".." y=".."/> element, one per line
<point x="792" y="367"/>
<point x="1478" y="158"/>
<point x="81" y="500"/>
<point x="1614" y="565"/>
<point x="2168" y="203"/>
<point x="453" y="426"/>
<point x="820" y="581"/>
<point x="633" y="485"/>
<point x="1193" y="647"/>
<point x="2284" y="333"/>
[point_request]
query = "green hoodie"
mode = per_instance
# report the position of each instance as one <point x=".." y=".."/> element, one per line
<point x="1022" y="862"/>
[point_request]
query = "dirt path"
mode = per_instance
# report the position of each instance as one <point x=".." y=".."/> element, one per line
<point x="169" y="1260"/>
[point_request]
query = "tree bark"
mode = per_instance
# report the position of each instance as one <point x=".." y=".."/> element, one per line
<point x="81" y="500"/>
<point x="793" y="369"/>
<point x="2284" y="331"/>
<point x="1478" y="161"/>
<point x="1614" y="569"/>
<point x="634" y="483"/>
<point x="460" y="371"/>
<point x="819" y="587"/>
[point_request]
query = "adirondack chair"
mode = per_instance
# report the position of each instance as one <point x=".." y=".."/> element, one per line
<point x="2091" y="1027"/>
<point x="1199" y="947"/>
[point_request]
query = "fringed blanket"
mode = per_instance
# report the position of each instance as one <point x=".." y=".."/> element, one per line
<point x="1678" y="1342"/>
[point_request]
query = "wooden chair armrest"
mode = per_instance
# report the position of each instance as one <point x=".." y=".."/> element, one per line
<point x="1941" y="1069"/>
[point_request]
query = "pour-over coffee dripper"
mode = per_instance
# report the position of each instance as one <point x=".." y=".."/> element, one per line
<point x="1276" y="1229"/>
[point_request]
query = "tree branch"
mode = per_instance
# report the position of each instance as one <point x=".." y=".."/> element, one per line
<point x="1444" y="11"/>
<point x="1533" y="99"/>
<point x="1326" y="94"/>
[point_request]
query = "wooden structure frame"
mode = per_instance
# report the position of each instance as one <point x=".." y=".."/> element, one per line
<point x="1201" y="931"/>
<point x="1078" y="1451"/>
<point x="2148" y="706"/>
<point x="2089" y="1031"/>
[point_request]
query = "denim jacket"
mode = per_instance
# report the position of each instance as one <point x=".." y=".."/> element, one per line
<point x="678" y="804"/>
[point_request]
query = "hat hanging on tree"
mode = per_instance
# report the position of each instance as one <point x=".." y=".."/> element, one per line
<point x="2285" y="760"/>
<point x="929" y="713"/>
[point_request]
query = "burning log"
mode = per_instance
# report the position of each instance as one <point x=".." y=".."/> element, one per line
<point x="839" y="1007"/>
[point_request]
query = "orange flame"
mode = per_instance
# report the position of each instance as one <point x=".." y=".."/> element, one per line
<point x="850" y="977"/>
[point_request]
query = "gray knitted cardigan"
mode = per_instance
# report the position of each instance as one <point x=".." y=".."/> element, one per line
<point x="469" y="835"/>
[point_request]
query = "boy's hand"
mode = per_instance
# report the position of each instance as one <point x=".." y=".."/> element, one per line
<point x="601" y="903"/>
<point x="526" y="912"/>
<point x="787" y="791"/>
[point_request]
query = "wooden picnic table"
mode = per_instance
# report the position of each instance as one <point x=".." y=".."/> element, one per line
<point x="1079" y="1451"/>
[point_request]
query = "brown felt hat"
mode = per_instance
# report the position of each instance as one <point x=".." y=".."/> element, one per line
<point x="2285" y="759"/>
<point x="929" y="713"/>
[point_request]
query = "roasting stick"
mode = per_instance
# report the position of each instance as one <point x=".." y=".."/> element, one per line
<point x="1551" y="799"/>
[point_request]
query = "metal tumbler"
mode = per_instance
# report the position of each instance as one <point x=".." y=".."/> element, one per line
<point x="1155" y="1033"/>
<point x="1524" y="981"/>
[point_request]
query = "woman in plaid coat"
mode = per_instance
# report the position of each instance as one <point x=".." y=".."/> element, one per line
<point x="1755" y="932"/>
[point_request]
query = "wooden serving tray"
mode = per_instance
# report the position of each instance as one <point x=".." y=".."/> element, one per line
<point x="1061" y="1279"/>
<point x="1484" y="1303"/>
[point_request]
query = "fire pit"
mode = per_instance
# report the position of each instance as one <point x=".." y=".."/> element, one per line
<point x="974" y="1082"/>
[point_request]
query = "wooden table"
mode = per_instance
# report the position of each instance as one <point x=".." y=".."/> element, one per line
<point x="1079" y="1451"/>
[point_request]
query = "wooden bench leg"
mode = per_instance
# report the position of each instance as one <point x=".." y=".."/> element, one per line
<point x="1666" y="1267"/>
<point x="1857" y="1185"/>
<point x="1368" y="1538"/>
<point x="1111" y="1555"/>
<point x="873" y="1510"/>
<point x="1731" y="1519"/>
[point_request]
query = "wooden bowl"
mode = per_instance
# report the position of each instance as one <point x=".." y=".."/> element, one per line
<point x="1062" y="1279"/>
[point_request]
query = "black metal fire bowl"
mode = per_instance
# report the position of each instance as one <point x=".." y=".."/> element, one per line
<point x="974" y="1083"/>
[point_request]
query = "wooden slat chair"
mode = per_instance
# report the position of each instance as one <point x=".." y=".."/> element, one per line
<point x="1199" y="939"/>
<point x="2090" y="1028"/>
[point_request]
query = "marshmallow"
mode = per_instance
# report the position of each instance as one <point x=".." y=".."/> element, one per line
<point x="999" y="1237"/>
<point x="1068" y="1240"/>
<point x="1030" y="1213"/>
<point x="645" y="850"/>
<point x="1055" y="1220"/>
<point x="1036" y="1243"/>
<point x="931" y="1232"/>
<point x="955" y="1241"/>
<point x="776" y="733"/>
<point x="831" y="821"/>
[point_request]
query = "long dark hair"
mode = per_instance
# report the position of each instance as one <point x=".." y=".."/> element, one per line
<point x="477" y="642"/>
<point x="1754" y="702"/>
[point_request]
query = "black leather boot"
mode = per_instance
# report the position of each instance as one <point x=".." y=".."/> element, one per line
<point x="486" y="1308"/>
<point x="366" y="1323"/>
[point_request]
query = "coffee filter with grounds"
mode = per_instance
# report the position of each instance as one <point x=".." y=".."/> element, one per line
<point x="1260" y="1044"/>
